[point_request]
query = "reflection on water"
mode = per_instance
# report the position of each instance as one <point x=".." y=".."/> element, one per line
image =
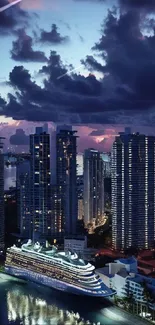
<point x="29" y="304"/>
<point x="31" y="310"/>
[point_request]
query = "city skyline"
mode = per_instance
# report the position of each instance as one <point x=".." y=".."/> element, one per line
<point x="77" y="161"/>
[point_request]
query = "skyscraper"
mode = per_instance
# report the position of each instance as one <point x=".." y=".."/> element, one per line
<point x="80" y="197"/>
<point x="106" y="156"/>
<point x="133" y="191"/>
<point x="2" y="232"/>
<point x="66" y="177"/>
<point x="24" y="198"/>
<point x="40" y="183"/>
<point x="79" y="164"/>
<point x="93" y="186"/>
<point x="57" y="212"/>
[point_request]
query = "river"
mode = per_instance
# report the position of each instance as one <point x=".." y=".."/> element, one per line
<point x="30" y="304"/>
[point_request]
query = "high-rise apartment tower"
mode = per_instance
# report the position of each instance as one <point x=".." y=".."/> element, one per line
<point x="93" y="186"/>
<point x="40" y="183"/>
<point x="66" y="178"/>
<point x="133" y="191"/>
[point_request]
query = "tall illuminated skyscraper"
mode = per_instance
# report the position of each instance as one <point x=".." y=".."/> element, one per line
<point x="106" y="156"/>
<point x="80" y="187"/>
<point x="2" y="228"/>
<point x="79" y="164"/>
<point x="93" y="186"/>
<point x="40" y="183"/>
<point x="23" y="198"/>
<point x="133" y="191"/>
<point x="66" y="178"/>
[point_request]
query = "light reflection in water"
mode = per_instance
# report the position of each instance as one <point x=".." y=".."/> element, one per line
<point x="30" y="310"/>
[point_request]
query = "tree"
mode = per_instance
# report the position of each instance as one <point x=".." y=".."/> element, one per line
<point x="147" y="294"/>
<point x="131" y="251"/>
<point x="129" y="299"/>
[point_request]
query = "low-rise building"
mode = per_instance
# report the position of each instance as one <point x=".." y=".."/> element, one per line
<point x="123" y="276"/>
<point x="75" y="244"/>
<point x="78" y="245"/>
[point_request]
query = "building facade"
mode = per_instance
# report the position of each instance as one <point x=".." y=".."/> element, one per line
<point x="106" y="156"/>
<point x="57" y="212"/>
<point x="80" y="186"/>
<point x="66" y="177"/>
<point x="123" y="277"/>
<point x="75" y="244"/>
<point x="40" y="179"/>
<point x="2" y="223"/>
<point x="133" y="191"/>
<point x="23" y="198"/>
<point x="93" y="186"/>
<point x="79" y="164"/>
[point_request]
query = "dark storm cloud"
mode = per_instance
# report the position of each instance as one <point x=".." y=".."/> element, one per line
<point x="95" y="133"/>
<point x="19" y="138"/>
<point x="97" y="1"/>
<point x="52" y="36"/>
<point x="126" y="93"/>
<point x="22" y="49"/>
<point x="146" y="5"/>
<point x="2" y="102"/>
<point x="129" y="58"/>
<point x="12" y="18"/>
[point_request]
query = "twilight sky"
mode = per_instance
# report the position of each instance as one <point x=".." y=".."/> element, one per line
<point x="111" y="43"/>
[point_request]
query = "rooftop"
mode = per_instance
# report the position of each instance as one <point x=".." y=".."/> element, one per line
<point x="148" y="263"/>
<point x="109" y="252"/>
<point x="105" y="271"/>
<point x="123" y="273"/>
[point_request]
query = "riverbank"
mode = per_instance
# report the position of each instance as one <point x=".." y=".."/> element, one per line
<point x="115" y="312"/>
<point x="6" y="277"/>
<point x="131" y="313"/>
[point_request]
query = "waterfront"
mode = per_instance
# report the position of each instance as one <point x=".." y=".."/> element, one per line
<point x="30" y="304"/>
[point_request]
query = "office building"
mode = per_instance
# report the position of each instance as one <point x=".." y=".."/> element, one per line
<point x="23" y="198"/>
<point x="66" y="177"/>
<point x="75" y="244"/>
<point x="106" y="156"/>
<point x="80" y="188"/>
<point x="2" y="230"/>
<point x="93" y="186"/>
<point x="79" y="164"/>
<point x="133" y="191"/>
<point x="57" y="212"/>
<point x="40" y="183"/>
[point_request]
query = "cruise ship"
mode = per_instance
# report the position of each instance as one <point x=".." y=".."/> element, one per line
<point x="59" y="270"/>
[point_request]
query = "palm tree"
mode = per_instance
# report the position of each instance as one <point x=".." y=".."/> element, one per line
<point x="129" y="299"/>
<point x="147" y="294"/>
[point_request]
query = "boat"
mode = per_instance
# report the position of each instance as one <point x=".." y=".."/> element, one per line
<point x="60" y="270"/>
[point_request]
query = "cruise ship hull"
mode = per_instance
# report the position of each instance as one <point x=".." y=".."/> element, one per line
<point x="50" y="282"/>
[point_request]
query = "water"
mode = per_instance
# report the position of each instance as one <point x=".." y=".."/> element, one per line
<point x="30" y="304"/>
